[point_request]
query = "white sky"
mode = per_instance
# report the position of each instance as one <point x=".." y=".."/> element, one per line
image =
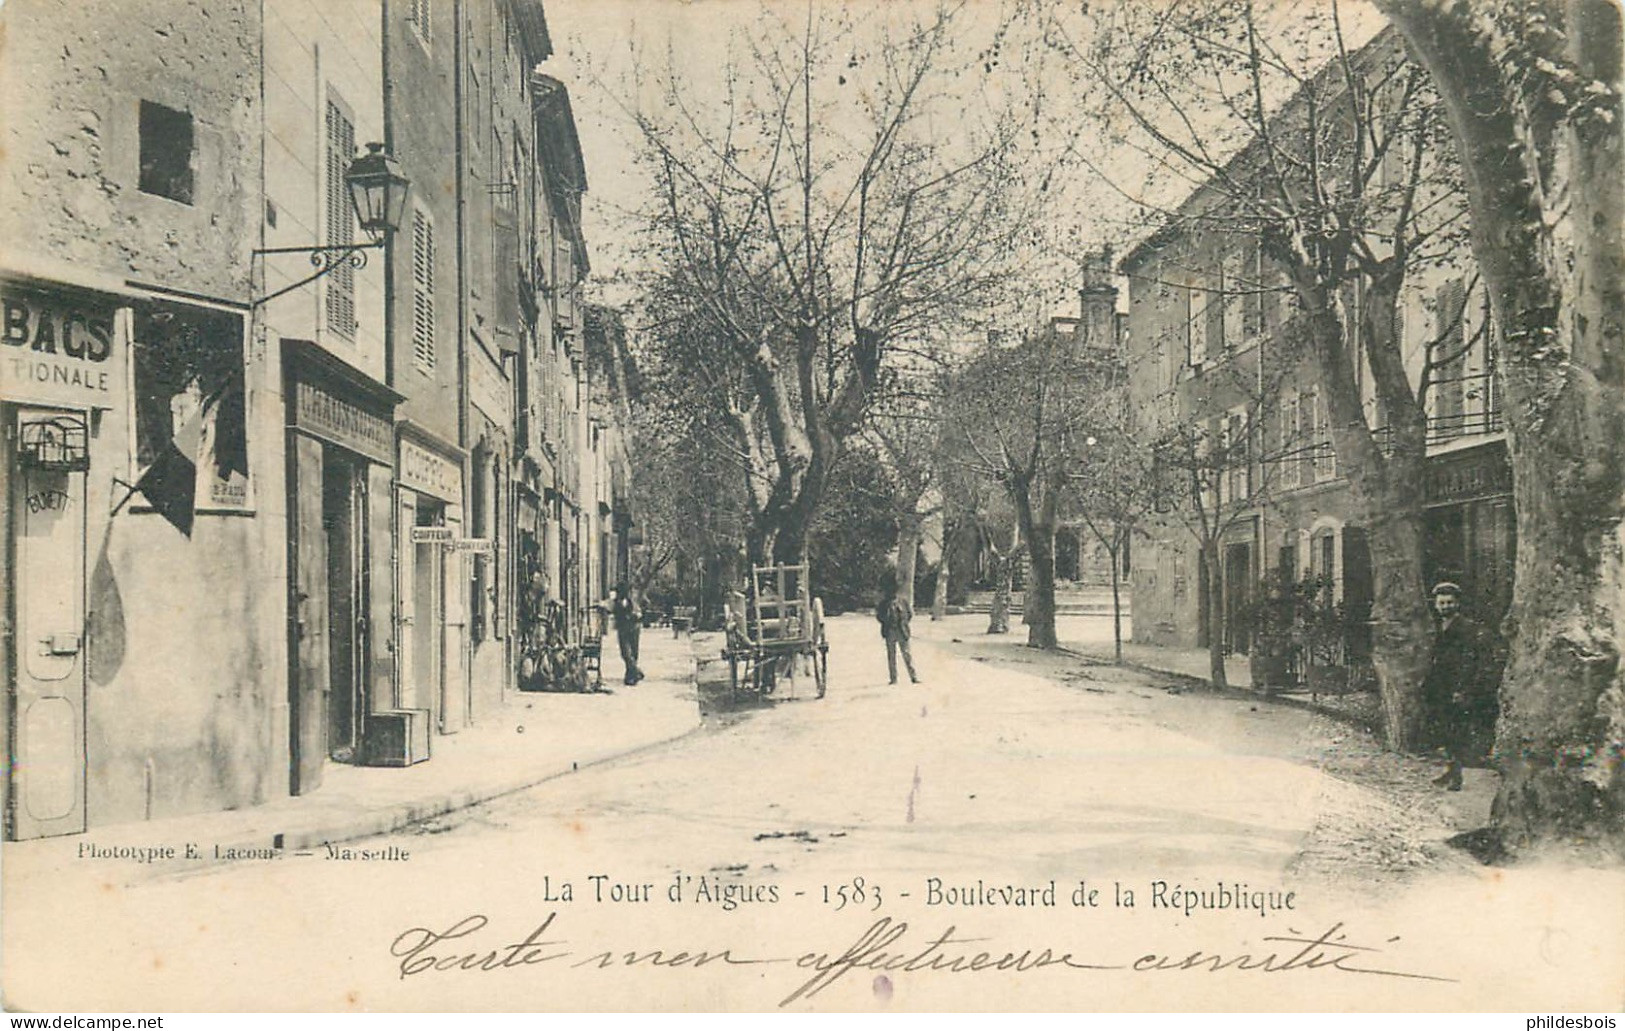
<point x="597" y="43"/>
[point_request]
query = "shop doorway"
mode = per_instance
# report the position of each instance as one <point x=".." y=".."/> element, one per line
<point x="344" y="513"/>
<point x="327" y="609"/>
<point x="44" y="579"/>
<point x="1238" y="579"/>
<point x="428" y="643"/>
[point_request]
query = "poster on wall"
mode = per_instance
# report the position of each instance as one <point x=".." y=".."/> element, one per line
<point x="189" y="408"/>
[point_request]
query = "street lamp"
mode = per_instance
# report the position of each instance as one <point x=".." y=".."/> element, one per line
<point x="378" y="194"/>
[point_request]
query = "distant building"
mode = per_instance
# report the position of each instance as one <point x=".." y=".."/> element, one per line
<point x="1210" y="323"/>
<point x="1097" y="328"/>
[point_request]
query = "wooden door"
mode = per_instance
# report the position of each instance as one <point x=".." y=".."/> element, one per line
<point x="47" y="587"/>
<point x="1238" y="582"/>
<point x="408" y="625"/>
<point x="307" y="610"/>
<point x="455" y="683"/>
<point x="380" y="589"/>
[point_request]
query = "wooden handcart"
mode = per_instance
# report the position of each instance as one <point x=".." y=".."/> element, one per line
<point x="778" y="631"/>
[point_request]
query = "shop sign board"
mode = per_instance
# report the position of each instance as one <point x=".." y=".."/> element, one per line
<point x="343" y="422"/>
<point x="446" y="537"/>
<point x="57" y="349"/>
<point x="1482" y="472"/>
<point x="429" y="473"/>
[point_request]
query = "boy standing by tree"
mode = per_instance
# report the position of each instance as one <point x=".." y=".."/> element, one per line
<point x="1459" y="688"/>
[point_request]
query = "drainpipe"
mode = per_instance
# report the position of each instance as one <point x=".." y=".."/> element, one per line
<point x="397" y="532"/>
<point x="389" y="243"/>
<point x="460" y="136"/>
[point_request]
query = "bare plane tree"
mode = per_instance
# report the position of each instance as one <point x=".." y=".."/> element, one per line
<point x="1534" y="94"/>
<point x="1023" y="417"/>
<point x="815" y="222"/>
<point x="1328" y="165"/>
<point x="1211" y="474"/>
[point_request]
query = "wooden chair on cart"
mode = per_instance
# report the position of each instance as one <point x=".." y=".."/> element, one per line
<point x="778" y="630"/>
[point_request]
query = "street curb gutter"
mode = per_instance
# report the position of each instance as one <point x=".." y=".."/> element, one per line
<point x="1204" y="684"/>
<point x="394" y="817"/>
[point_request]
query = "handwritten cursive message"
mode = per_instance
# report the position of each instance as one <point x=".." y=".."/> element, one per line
<point x="886" y="946"/>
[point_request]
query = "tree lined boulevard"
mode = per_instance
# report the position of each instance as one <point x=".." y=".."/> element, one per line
<point x="803" y="824"/>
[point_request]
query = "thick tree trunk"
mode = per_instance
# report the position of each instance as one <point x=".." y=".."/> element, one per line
<point x="1040" y="592"/>
<point x="1117" y="605"/>
<point x="1038" y="597"/>
<point x="1401" y="640"/>
<point x="1541" y="159"/>
<point x="908" y="550"/>
<point x="790" y="543"/>
<point x="939" y="594"/>
<point x="1391" y="497"/>
<point x="998" y="613"/>
<point x="1215" y="616"/>
<point x="1388" y="494"/>
<point x="998" y="616"/>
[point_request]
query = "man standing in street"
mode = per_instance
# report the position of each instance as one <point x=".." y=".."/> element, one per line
<point x="893" y="615"/>
<point x="1457" y="691"/>
<point x="628" y="624"/>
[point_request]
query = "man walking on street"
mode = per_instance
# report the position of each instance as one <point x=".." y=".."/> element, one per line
<point x="628" y="624"/>
<point x="1458" y="689"/>
<point x="893" y="615"/>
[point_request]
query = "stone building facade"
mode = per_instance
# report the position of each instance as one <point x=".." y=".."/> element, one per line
<point x="1214" y="343"/>
<point x="259" y="521"/>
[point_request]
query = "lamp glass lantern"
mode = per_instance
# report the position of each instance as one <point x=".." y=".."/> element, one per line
<point x="378" y="191"/>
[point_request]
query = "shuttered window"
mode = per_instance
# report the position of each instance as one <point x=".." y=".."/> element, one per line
<point x="1325" y="455"/>
<point x="563" y="281"/>
<point x="1197" y="325"/>
<point x="1291" y="442"/>
<point x="423" y="328"/>
<point x="340" y="221"/>
<point x="1450" y="360"/>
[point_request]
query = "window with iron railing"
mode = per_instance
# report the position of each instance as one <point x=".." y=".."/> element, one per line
<point x="1325" y="454"/>
<point x="1463" y="390"/>
<point x="1479" y="412"/>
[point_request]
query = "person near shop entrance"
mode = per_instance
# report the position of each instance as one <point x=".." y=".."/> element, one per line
<point x="1459" y="691"/>
<point x="893" y="615"/>
<point x="628" y="624"/>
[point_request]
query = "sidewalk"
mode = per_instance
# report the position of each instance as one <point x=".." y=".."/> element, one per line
<point x="1090" y="637"/>
<point x="1194" y="664"/>
<point x="532" y="738"/>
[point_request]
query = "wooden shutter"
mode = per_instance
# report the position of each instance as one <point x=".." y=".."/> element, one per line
<point x="1449" y="373"/>
<point x="563" y="280"/>
<point x="423" y="320"/>
<point x="1289" y="442"/>
<point x="340" y="221"/>
<point x="1196" y="326"/>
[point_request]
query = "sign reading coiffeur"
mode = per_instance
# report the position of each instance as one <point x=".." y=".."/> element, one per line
<point x="57" y="349"/>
